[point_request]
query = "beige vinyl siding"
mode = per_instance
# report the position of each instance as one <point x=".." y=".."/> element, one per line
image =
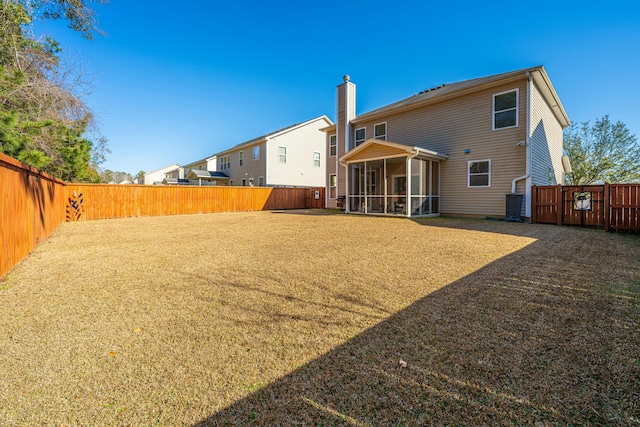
<point x="546" y="141"/>
<point x="252" y="168"/>
<point x="377" y="152"/>
<point x="452" y="126"/>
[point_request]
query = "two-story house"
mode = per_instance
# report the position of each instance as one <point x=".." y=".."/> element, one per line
<point x="293" y="156"/>
<point x="157" y="176"/>
<point x="456" y="149"/>
<point x="203" y="172"/>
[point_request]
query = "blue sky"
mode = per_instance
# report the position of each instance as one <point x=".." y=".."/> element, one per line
<point x="177" y="82"/>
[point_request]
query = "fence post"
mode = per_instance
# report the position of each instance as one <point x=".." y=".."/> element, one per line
<point x="607" y="204"/>
<point x="560" y="203"/>
<point x="534" y="204"/>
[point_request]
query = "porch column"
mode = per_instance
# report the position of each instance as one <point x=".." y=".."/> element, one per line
<point x="347" y="200"/>
<point x="408" y="202"/>
<point x="384" y="175"/>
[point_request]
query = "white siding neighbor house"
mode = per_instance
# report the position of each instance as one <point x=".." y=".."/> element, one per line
<point x="157" y="176"/>
<point x="291" y="157"/>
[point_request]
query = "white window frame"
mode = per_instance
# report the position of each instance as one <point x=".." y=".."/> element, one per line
<point x="381" y="136"/>
<point x="282" y="158"/>
<point x="357" y="142"/>
<point x="333" y="145"/>
<point x="261" y="181"/>
<point x="240" y="158"/>
<point x="334" y="186"/>
<point x="256" y="152"/>
<point x="225" y="163"/>
<point x="316" y="159"/>
<point x="251" y="182"/>
<point x="469" y="174"/>
<point x="516" y="109"/>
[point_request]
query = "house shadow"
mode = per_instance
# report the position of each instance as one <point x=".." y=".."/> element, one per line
<point x="528" y="339"/>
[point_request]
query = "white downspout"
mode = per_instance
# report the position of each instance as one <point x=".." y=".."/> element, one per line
<point x="527" y="144"/>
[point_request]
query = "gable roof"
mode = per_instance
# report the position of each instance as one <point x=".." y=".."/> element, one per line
<point x="165" y="169"/>
<point x="197" y="173"/>
<point x="276" y="133"/>
<point x="393" y="149"/>
<point x="197" y="162"/>
<point x="451" y="90"/>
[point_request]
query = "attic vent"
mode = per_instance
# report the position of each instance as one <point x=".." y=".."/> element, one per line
<point x="433" y="88"/>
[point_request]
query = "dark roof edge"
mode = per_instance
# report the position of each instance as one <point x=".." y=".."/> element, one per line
<point x="446" y="91"/>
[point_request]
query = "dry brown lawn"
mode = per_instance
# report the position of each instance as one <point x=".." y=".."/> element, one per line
<point x="297" y="318"/>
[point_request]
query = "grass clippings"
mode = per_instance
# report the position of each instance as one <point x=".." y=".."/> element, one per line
<point x="271" y="318"/>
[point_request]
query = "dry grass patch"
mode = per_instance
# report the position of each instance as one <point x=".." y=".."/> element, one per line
<point x="284" y="318"/>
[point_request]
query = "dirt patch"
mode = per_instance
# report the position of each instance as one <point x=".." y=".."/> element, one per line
<point x="294" y="318"/>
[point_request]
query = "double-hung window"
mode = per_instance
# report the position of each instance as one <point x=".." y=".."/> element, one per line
<point x="479" y="173"/>
<point x="380" y="131"/>
<point x="360" y="136"/>
<point x="505" y="109"/>
<point x="332" y="186"/>
<point x="316" y="159"/>
<point x="332" y="146"/>
<point x="256" y="152"/>
<point x="241" y="158"/>
<point x="282" y="154"/>
<point x="225" y="163"/>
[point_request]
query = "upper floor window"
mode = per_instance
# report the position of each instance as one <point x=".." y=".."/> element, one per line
<point x="505" y="109"/>
<point x="316" y="159"/>
<point x="282" y="154"/>
<point x="380" y="131"/>
<point x="361" y="135"/>
<point x="256" y="152"/>
<point x="479" y="173"/>
<point x="332" y="146"/>
<point x="240" y="158"/>
<point x="225" y="163"/>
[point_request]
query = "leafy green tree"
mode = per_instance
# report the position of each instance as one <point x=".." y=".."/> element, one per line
<point x="602" y="152"/>
<point x="43" y="122"/>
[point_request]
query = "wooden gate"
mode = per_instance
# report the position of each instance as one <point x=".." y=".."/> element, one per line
<point x="589" y="216"/>
<point x="613" y="207"/>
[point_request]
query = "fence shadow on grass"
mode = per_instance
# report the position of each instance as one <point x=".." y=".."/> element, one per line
<point x="528" y="339"/>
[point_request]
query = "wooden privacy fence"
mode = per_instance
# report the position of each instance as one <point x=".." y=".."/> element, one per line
<point x="33" y="204"/>
<point x="612" y="207"/>
<point x="105" y="201"/>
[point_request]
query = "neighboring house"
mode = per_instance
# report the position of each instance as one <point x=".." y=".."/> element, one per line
<point x="456" y="149"/>
<point x="203" y="172"/>
<point x="293" y="157"/>
<point x="125" y="182"/>
<point x="157" y="176"/>
<point x="204" y="177"/>
<point x="206" y="164"/>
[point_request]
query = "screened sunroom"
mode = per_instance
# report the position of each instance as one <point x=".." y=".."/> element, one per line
<point x="385" y="178"/>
